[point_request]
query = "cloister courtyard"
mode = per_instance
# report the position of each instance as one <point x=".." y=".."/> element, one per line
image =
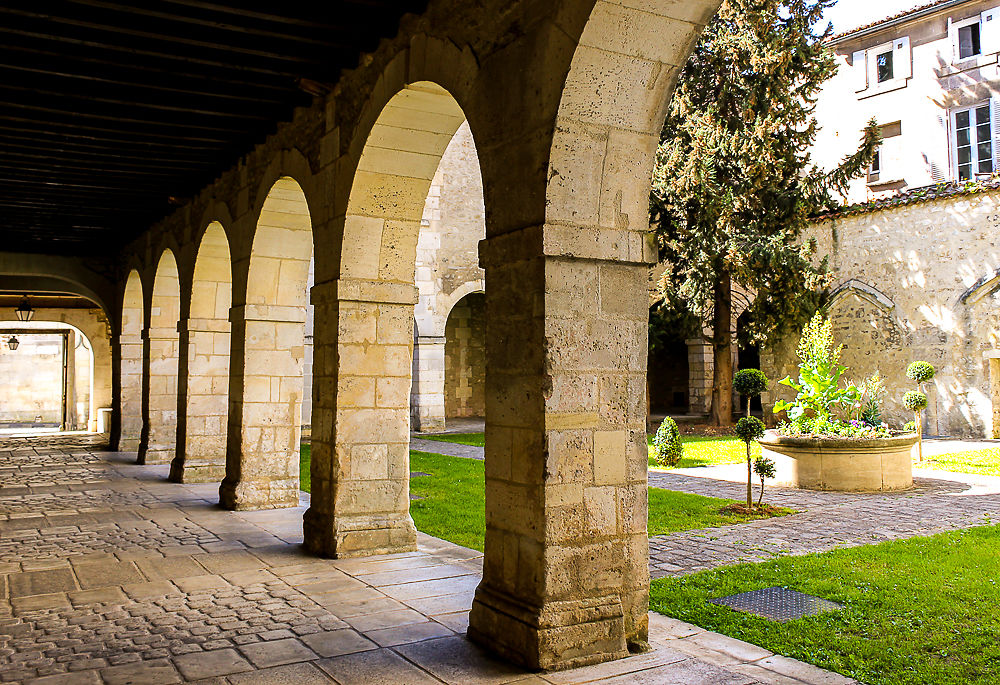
<point x="326" y="357"/>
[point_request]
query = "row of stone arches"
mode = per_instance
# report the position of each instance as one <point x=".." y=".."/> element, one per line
<point x="566" y="128"/>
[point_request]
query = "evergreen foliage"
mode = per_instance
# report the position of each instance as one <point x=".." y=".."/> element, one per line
<point x="750" y="382"/>
<point x="667" y="447"/>
<point x="734" y="186"/>
<point x="921" y="372"/>
<point x="915" y="401"/>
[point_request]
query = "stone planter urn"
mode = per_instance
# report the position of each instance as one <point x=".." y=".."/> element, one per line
<point x="842" y="464"/>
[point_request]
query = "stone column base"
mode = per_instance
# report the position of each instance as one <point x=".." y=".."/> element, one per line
<point x="127" y="445"/>
<point x="153" y="456"/>
<point x="341" y="537"/>
<point x="183" y="471"/>
<point x="554" y="636"/>
<point x="253" y="495"/>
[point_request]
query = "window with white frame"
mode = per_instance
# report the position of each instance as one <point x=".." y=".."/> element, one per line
<point x="883" y="67"/>
<point x="887" y="165"/>
<point x="975" y="37"/>
<point x="972" y="142"/>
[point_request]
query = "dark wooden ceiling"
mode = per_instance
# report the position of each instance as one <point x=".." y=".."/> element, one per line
<point x="108" y="109"/>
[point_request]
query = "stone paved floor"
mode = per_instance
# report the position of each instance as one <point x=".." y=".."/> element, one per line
<point x="111" y="575"/>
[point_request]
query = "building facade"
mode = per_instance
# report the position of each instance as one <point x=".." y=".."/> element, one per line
<point x="914" y="252"/>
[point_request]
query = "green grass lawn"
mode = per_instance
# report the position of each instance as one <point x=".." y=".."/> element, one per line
<point x="305" y="477"/>
<point x="453" y="501"/>
<point x="705" y="451"/>
<point x="922" y="610"/>
<point x="698" y="450"/>
<point x="979" y="462"/>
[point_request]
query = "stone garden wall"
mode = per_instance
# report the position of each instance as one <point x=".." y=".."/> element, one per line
<point x="917" y="282"/>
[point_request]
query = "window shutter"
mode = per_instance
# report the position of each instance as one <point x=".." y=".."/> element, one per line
<point x="995" y="116"/>
<point x="901" y="59"/>
<point x="953" y="39"/>
<point x="989" y="31"/>
<point x="860" y="71"/>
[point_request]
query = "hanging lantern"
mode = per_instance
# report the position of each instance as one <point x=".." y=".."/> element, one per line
<point x="12" y="343"/>
<point x="24" y="312"/>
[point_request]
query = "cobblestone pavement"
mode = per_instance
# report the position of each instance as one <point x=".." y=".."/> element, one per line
<point x="939" y="502"/>
<point x="137" y="580"/>
<point x="451" y="449"/>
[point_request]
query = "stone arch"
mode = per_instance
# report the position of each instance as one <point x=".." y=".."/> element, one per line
<point x="129" y="386"/>
<point x="71" y="373"/>
<point x="863" y="291"/>
<point x="204" y="364"/>
<point x="159" y="438"/>
<point x="266" y="384"/>
<point x="565" y="424"/>
<point x="360" y="473"/>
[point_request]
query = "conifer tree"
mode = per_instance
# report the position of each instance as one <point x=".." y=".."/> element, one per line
<point x="734" y="186"/>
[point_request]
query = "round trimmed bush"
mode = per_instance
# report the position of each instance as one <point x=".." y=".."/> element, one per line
<point x="749" y="428"/>
<point x="921" y="372"/>
<point x="915" y="401"/>
<point x="750" y="382"/>
<point x="667" y="448"/>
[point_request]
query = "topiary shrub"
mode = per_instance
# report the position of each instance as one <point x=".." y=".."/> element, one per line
<point x="748" y="429"/>
<point x="667" y="447"/>
<point x="921" y="372"/>
<point x="915" y="401"/>
<point x="750" y="382"/>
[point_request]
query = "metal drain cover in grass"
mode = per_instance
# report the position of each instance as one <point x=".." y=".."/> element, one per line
<point x="777" y="603"/>
<point x="418" y="474"/>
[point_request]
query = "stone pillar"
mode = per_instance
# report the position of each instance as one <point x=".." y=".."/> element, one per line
<point x="127" y="360"/>
<point x="360" y="502"/>
<point x="993" y="359"/>
<point x="203" y="402"/>
<point x="265" y="409"/>
<point x="159" y="438"/>
<point x="701" y="371"/>
<point x="565" y="577"/>
<point x="427" y="394"/>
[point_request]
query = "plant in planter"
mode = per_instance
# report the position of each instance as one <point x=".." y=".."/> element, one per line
<point x="749" y="383"/>
<point x="916" y="402"/>
<point x="667" y="447"/>
<point x="834" y="437"/>
<point x="748" y="429"/>
<point x="818" y="390"/>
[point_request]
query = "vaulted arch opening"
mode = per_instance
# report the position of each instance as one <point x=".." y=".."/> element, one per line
<point x="266" y="390"/>
<point x="204" y="365"/>
<point x="159" y="438"/>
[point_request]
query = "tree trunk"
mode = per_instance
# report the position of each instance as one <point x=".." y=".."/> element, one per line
<point x="749" y="480"/>
<point x="722" y="352"/>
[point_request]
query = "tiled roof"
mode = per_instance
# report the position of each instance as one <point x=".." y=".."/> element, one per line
<point x="895" y="17"/>
<point x="914" y="196"/>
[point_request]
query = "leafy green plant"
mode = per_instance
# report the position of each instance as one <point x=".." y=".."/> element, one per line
<point x="764" y="468"/>
<point x="818" y="390"/>
<point x="667" y="447"/>
<point x="748" y="429"/>
<point x="871" y="394"/>
<point x="921" y="372"/>
<point x="915" y="401"/>
<point x="749" y="383"/>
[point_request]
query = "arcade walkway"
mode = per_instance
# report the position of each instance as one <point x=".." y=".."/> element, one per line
<point x="110" y="574"/>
